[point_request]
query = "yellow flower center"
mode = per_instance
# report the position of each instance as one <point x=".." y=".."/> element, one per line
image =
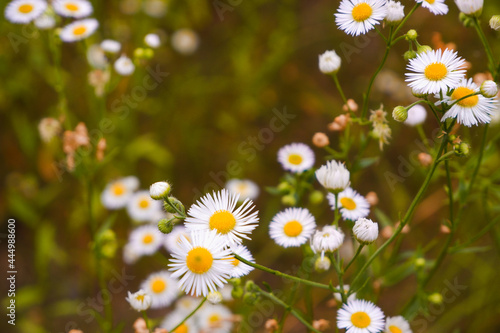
<point x="461" y="92"/>
<point x="78" y="31"/>
<point x="361" y="12"/>
<point x="147" y="239"/>
<point x="26" y="8"/>
<point x="181" y="329"/>
<point x="395" y="329"/>
<point x="118" y="189"/>
<point x="234" y="261"/>
<point x="222" y="221"/>
<point x="144" y="203"/>
<point x="435" y="71"/>
<point x="295" y="159"/>
<point x="348" y="203"/>
<point x="158" y="285"/>
<point x="292" y="228"/>
<point x="360" y="319"/>
<point x="140" y="298"/>
<point x="199" y="260"/>
<point x="430" y="1"/>
<point x="215" y="318"/>
<point x="71" y="7"/>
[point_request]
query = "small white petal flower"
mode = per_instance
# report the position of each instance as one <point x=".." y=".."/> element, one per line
<point x="185" y="41"/>
<point x="469" y="111"/>
<point x="145" y="240"/>
<point x="437" y="7"/>
<point x="159" y="190"/>
<point x="489" y="88"/>
<point x="214" y="297"/>
<point x="246" y="188"/>
<point x="117" y="194"/>
<point x="352" y="205"/>
<point x="328" y="239"/>
<point x="296" y="157"/>
<point x="162" y="288"/>
<point x="495" y="22"/>
<point x="397" y="325"/>
<point x="24" y="11"/>
<point x="152" y="40"/>
<point x="177" y="316"/>
<point x="202" y="263"/>
<point x="333" y="176"/>
<point x="360" y="316"/>
<point x="124" y="66"/>
<point x="329" y="62"/>
<point x="470" y="7"/>
<point x="172" y="239"/>
<point x="131" y="254"/>
<point x="142" y="208"/>
<point x="365" y="231"/>
<point x="346" y="288"/>
<point x="96" y="57"/>
<point x="395" y="11"/>
<point x="218" y="212"/>
<point x="45" y="21"/>
<point x="111" y="46"/>
<point x="292" y="227"/>
<point x="139" y="301"/>
<point x="416" y="115"/>
<point x="322" y="264"/>
<point x="435" y="71"/>
<point x="216" y="319"/>
<point x="240" y="269"/>
<point x="72" y="8"/>
<point x="357" y="17"/>
<point x="79" y="30"/>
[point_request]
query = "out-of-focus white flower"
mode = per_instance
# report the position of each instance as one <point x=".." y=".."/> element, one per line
<point x="214" y="297"/>
<point x="397" y="325"/>
<point x="118" y="193"/>
<point x="395" y="11"/>
<point x="45" y="21"/>
<point x="329" y="62"/>
<point x="365" y="231"/>
<point x="185" y="41"/>
<point x="216" y="319"/>
<point x="436" y="7"/>
<point x="79" y="30"/>
<point x="73" y="8"/>
<point x="49" y="128"/>
<point x="139" y="301"/>
<point x="124" y="66"/>
<point x="110" y="46"/>
<point x="495" y="22"/>
<point x="246" y="188"/>
<point x="333" y="176"/>
<point x="142" y="208"/>
<point x="24" y="11"/>
<point x="145" y="240"/>
<point x="240" y="269"/>
<point x="162" y="288"/>
<point x="470" y="7"/>
<point x="152" y="40"/>
<point x="346" y="288"/>
<point x="155" y="8"/>
<point x="96" y="57"/>
<point x="416" y="115"/>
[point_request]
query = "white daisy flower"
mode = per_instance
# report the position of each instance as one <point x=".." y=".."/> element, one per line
<point x="187" y="304"/>
<point x="24" y="11"/>
<point x="172" y="239"/>
<point x="352" y="205"/>
<point x="365" y="231"/>
<point x="328" y="239"/>
<point x="246" y="188"/>
<point x="142" y="208"/>
<point x="152" y="40"/>
<point x="139" y="301"/>
<point x="397" y="325"/>
<point x="218" y="212"/>
<point x="145" y="240"/>
<point x="124" y="66"/>
<point x="359" y="316"/>
<point x="395" y="11"/>
<point x="118" y="193"/>
<point x="472" y="110"/>
<point x="357" y="17"/>
<point x="131" y="254"/>
<point x="185" y="41"/>
<point x="346" y="288"/>
<point x="240" y="269"/>
<point x="416" y="115"/>
<point x="296" y="157"/>
<point x="159" y="190"/>
<point x="72" y="8"/>
<point x="489" y="88"/>
<point x="216" y="319"/>
<point x="329" y="62"/>
<point x="215" y="297"/>
<point x="470" y="7"/>
<point x="435" y="71"/>
<point x="79" y="30"/>
<point x="202" y="264"/>
<point x="96" y="57"/>
<point x="111" y="46"/>
<point x="333" y="176"/>
<point x="292" y="227"/>
<point x="162" y="288"/>
<point x="174" y="318"/>
<point x="437" y="7"/>
<point x="45" y="21"/>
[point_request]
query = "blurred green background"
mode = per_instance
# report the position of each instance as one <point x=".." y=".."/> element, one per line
<point x="254" y="57"/>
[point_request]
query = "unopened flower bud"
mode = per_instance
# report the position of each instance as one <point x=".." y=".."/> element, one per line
<point x="417" y="93"/>
<point x="400" y="113"/>
<point x="495" y="22"/>
<point x="365" y="231"/>
<point x="329" y="62"/>
<point x="444" y="229"/>
<point x="423" y="49"/>
<point x="410" y="54"/>
<point x="271" y="325"/>
<point x="470" y="7"/>
<point x="159" y="190"/>
<point x="176" y="203"/>
<point x="372" y="198"/>
<point x="316" y="197"/>
<point x="351" y="105"/>
<point x="289" y="200"/>
<point x="284" y="187"/>
<point x="489" y="88"/>
<point x="435" y="298"/>
<point x="250" y="298"/>
<point x="214" y="297"/>
<point x="411" y="35"/>
<point x="166" y="226"/>
<point x="462" y="149"/>
<point x="419" y="262"/>
<point x="237" y="292"/>
<point x="322" y="264"/>
<point x="320" y="140"/>
<point x="466" y="20"/>
<point x="321" y="324"/>
<point x="424" y="159"/>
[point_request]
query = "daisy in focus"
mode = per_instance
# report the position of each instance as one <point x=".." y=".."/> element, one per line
<point x="162" y="288"/>
<point x="73" y="8"/>
<point x="216" y="319"/>
<point x="437" y="7"/>
<point x="246" y="188"/>
<point x="145" y="240"/>
<point x="142" y="208"/>
<point x="24" y="11"/>
<point x="360" y="316"/>
<point x="357" y="17"/>
<point x="329" y="239"/>
<point x="472" y="110"/>
<point x="79" y="30"/>
<point x="397" y="325"/>
<point x="240" y="269"/>
<point x="352" y="205"/>
<point x="292" y="227"/>
<point x="117" y="193"/>
<point x="218" y="212"/>
<point x="202" y="264"/>
<point x="435" y="71"/>
<point x="296" y="157"/>
<point x="333" y="176"/>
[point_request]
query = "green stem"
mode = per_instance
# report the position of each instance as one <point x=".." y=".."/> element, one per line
<point x="189" y="315"/>
<point x="286" y="276"/>
<point x="487" y="48"/>
<point x="358" y="251"/>
<point x="181" y="214"/>
<point x="337" y="213"/>
<point x="144" y="315"/>
<point x="407" y="17"/>
<point x="339" y="88"/>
